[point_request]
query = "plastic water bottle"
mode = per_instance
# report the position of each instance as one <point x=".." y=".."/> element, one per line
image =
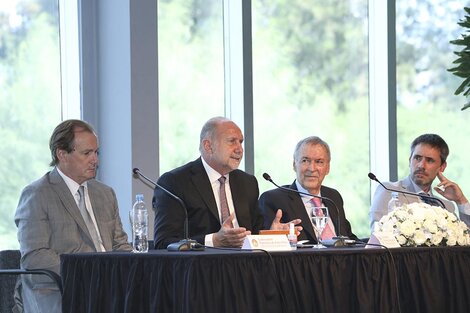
<point x="394" y="202"/>
<point x="139" y="223"/>
<point x="292" y="237"/>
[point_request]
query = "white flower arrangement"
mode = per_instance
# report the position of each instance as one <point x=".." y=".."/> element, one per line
<point x="420" y="224"/>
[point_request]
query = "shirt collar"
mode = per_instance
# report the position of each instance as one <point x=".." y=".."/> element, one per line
<point x="419" y="190"/>
<point x="305" y="198"/>
<point x="213" y="174"/>
<point x="71" y="184"/>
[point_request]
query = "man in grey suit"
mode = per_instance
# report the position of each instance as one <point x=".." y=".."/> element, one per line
<point x="65" y="211"/>
<point x="427" y="161"/>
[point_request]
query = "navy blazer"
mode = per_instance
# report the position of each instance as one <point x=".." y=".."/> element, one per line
<point x="292" y="207"/>
<point x="191" y="183"/>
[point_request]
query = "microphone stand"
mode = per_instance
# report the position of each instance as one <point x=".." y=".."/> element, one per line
<point x="374" y="178"/>
<point x="339" y="240"/>
<point x="184" y="244"/>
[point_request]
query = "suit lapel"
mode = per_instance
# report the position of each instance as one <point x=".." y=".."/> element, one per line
<point x="298" y="208"/>
<point x="67" y="199"/>
<point x="242" y="210"/>
<point x="201" y="183"/>
<point x="332" y="210"/>
<point x="407" y="185"/>
<point x="97" y="205"/>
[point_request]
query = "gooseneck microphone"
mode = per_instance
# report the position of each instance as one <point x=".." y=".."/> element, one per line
<point x="338" y="241"/>
<point x="184" y="244"/>
<point x="374" y="178"/>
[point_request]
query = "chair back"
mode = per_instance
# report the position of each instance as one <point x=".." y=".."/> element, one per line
<point x="9" y="259"/>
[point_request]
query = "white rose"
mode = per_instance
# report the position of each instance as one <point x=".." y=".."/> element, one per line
<point x="430" y="225"/>
<point x="436" y="238"/>
<point x="462" y="226"/>
<point x="453" y="228"/>
<point x="407" y="228"/>
<point x="430" y="214"/>
<point x="417" y="214"/>
<point x="416" y="205"/>
<point x="451" y="239"/>
<point x="401" y="214"/>
<point x="401" y="240"/>
<point x="441" y="223"/>
<point x="461" y="240"/>
<point x="451" y="217"/>
<point x="419" y="238"/>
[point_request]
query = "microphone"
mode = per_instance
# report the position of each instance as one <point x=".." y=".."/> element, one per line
<point x="184" y="244"/>
<point x="338" y="241"/>
<point x="374" y="178"/>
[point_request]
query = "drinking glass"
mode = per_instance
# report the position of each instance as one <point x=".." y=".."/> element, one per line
<point x="319" y="216"/>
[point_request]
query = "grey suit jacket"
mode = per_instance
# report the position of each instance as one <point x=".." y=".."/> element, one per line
<point x="382" y="196"/>
<point x="49" y="224"/>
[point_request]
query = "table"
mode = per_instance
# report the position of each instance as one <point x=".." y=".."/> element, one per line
<point x="326" y="280"/>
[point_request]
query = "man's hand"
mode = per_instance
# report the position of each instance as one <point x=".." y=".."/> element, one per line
<point x="277" y="225"/>
<point x="228" y="236"/>
<point x="450" y="190"/>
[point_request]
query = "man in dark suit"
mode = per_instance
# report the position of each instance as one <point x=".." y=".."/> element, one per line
<point x="311" y="165"/>
<point x="52" y="219"/>
<point x="221" y="211"/>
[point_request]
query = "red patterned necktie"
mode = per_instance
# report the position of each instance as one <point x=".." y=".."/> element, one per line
<point x="328" y="232"/>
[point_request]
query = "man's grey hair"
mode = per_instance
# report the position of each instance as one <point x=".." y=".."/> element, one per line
<point x="208" y="130"/>
<point x="312" y="140"/>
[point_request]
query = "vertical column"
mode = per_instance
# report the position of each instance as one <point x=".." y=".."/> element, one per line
<point x="238" y="72"/>
<point x="118" y="44"/>
<point x="382" y="89"/>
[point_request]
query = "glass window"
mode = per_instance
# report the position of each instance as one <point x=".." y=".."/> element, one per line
<point x="30" y="105"/>
<point x="310" y="74"/>
<point x="191" y="75"/>
<point x="425" y="89"/>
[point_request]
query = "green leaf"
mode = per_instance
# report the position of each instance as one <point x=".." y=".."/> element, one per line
<point x="462" y="63"/>
<point x="462" y="86"/>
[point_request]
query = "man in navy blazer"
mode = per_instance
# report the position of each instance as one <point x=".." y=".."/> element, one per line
<point x="311" y="164"/>
<point x="197" y="184"/>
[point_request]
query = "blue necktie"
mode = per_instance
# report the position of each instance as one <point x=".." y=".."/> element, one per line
<point x="429" y="199"/>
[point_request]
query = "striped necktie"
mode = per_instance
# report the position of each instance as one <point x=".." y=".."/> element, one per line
<point x="225" y="212"/>
<point x="87" y="218"/>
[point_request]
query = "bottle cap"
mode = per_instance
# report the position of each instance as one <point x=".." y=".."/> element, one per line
<point x="291" y="229"/>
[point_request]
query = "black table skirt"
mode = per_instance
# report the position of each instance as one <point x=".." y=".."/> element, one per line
<point x="327" y="280"/>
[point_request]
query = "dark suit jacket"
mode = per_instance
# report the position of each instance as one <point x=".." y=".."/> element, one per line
<point x="191" y="183"/>
<point x="292" y="207"/>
